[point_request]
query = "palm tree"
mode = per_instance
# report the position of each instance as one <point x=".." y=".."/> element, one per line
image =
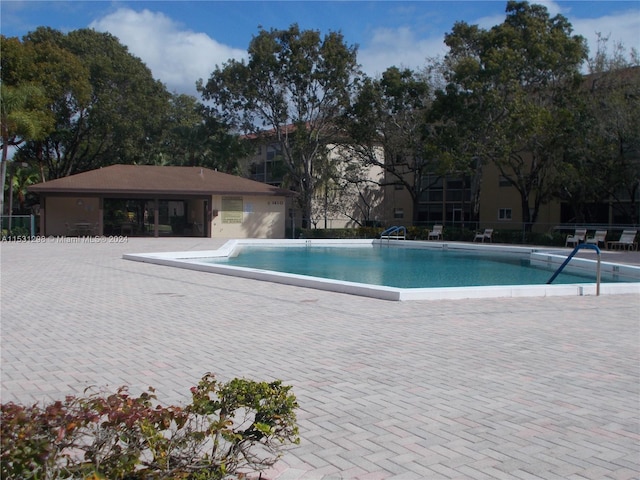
<point x="23" y="177"/>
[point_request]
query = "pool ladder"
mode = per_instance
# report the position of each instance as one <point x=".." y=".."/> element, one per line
<point x="571" y="255"/>
<point x="394" y="233"/>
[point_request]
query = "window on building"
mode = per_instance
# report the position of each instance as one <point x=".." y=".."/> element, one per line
<point x="273" y="151"/>
<point x="445" y="199"/>
<point x="458" y="189"/>
<point x="435" y="195"/>
<point x="256" y="171"/>
<point x="504" y="214"/>
<point x="430" y="185"/>
<point x="504" y="181"/>
<point x="398" y="213"/>
<point x="455" y="183"/>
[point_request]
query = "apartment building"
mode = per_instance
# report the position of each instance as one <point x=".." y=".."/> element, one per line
<point x="350" y="197"/>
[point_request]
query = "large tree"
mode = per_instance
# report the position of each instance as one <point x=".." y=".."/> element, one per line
<point x="196" y="136"/>
<point x="391" y="125"/>
<point x="605" y="164"/>
<point x="24" y="115"/>
<point x="518" y="77"/>
<point x="294" y="85"/>
<point x="107" y="106"/>
<point x="61" y="79"/>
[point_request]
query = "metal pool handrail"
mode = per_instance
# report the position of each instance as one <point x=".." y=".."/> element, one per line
<point x="394" y="232"/>
<point x="575" y="250"/>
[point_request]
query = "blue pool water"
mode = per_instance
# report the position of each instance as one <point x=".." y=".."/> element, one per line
<point x="401" y="267"/>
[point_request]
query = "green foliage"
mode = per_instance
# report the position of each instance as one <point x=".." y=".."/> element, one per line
<point x="295" y="83"/>
<point x="343" y="233"/>
<point x="516" y="82"/>
<point x="196" y="136"/>
<point x="18" y="232"/>
<point x="106" y="106"/>
<point x="511" y="95"/>
<point x="603" y="161"/>
<point x="23" y="114"/>
<point x="228" y="429"/>
<point x="22" y="118"/>
<point x="103" y="107"/>
<point x="392" y="114"/>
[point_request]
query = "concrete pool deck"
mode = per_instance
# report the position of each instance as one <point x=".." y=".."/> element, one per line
<point x="481" y="388"/>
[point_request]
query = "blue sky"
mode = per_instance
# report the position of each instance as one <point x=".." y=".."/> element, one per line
<point x="182" y="41"/>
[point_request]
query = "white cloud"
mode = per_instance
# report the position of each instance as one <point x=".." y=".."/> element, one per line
<point x="403" y="47"/>
<point x="623" y="28"/>
<point x="177" y="57"/>
<point x="398" y="47"/>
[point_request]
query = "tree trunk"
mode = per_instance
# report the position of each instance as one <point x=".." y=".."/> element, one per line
<point x="305" y="208"/>
<point x="526" y="214"/>
<point x="3" y="171"/>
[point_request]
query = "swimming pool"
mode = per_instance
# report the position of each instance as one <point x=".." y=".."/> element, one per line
<point x="475" y="278"/>
<point x="403" y="267"/>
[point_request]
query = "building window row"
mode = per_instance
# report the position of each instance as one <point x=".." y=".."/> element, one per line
<point x="504" y="214"/>
<point x="446" y="199"/>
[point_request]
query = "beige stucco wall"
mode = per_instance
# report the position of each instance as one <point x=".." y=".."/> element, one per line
<point x="347" y="205"/>
<point x="261" y="217"/>
<point x="494" y="197"/>
<point x="341" y="207"/>
<point x="71" y="210"/>
<point x="397" y="199"/>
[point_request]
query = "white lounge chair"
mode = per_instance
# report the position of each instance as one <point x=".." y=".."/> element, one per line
<point x="598" y="238"/>
<point x="578" y="237"/>
<point x="436" y="233"/>
<point x="486" y="235"/>
<point x="627" y="241"/>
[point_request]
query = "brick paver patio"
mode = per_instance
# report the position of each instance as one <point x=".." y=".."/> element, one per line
<point x="514" y="388"/>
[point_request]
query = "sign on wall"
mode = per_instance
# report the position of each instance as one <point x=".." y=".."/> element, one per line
<point x="232" y="209"/>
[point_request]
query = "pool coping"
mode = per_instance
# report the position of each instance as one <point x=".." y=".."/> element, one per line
<point x="539" y="255"/>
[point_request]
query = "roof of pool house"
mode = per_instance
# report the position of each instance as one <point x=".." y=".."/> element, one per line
<point x="157" y="180"/>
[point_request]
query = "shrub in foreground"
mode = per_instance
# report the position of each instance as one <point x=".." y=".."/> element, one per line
<point x="228" y="430"/>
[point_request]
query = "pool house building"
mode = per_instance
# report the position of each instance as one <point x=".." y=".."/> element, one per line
<point x="148" y="200"/>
